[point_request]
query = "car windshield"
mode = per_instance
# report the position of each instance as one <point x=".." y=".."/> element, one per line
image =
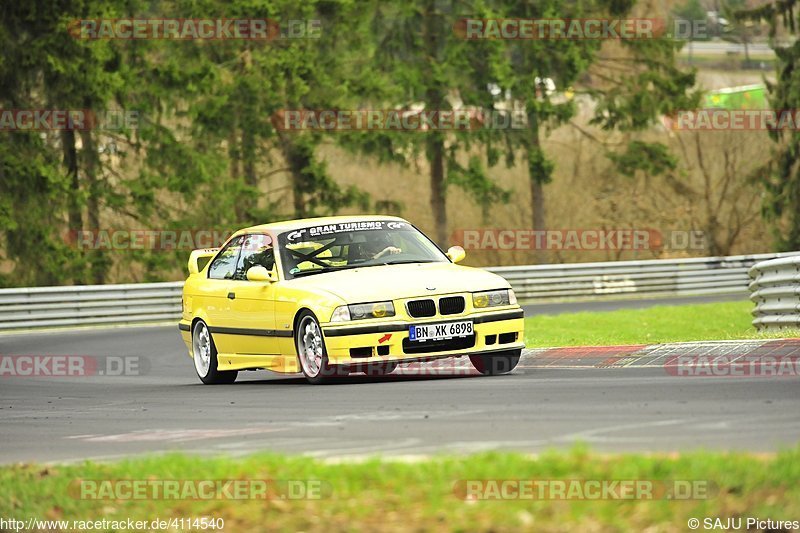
<point x="330" y="247"/>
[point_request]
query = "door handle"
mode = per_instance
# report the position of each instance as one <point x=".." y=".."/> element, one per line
<point x="231" y="295"/>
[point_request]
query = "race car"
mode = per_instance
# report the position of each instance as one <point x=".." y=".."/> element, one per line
<point x="335" y="295"/>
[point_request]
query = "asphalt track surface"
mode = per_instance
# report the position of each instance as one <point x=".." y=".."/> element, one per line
<point x="49" y="419"/>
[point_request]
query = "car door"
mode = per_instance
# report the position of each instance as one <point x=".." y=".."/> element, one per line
<point x="253" y="302"/>
<point x="214" y="295"/>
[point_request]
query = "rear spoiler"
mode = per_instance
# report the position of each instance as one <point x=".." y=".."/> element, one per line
<point x="200" y="258"/>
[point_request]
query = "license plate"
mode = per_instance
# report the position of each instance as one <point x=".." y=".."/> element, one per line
<point x="435" y="332"/>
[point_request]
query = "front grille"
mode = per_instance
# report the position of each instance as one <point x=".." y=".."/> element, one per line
<point x="444" y="345"/>
<point x="421" y="308"/>
<point x="451" y="305"/>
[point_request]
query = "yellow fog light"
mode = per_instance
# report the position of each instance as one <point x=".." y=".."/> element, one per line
<point x="481" y="300"/>
<point x="492" y="298"/>
<point x="380" y="310"/>
<point x="372" y="310"/>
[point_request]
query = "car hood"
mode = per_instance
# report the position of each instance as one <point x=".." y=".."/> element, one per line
<point x="393" y="282"/>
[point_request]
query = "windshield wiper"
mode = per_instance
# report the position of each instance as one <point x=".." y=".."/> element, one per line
<point x="407" y="261"/>
<point x="323" y="270"/>
<point x="310" y="272"/>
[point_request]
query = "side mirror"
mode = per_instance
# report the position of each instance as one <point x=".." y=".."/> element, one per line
<point x="456" y="254"/>
<point x="259" y="273"/>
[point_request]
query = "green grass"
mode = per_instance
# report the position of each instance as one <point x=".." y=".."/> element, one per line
<point x="715" y="321"/>
<point x="395" y="496"/>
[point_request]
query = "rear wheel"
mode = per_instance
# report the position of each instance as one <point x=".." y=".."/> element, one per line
<point x="204" y="354"/>
<point x="496" y="363"/>
<point x="311" y="351"/>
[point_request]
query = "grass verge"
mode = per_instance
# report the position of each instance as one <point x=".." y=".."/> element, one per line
<point x="713" y="321"/>
<point x="416" y="496"/>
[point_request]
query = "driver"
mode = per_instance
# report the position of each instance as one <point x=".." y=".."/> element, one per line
<point x="378" y="245"/>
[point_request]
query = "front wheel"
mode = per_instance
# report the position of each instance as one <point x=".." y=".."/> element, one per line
<point x="497" y="363"/>
<point x="204" y="353"/>
<point x="312" y="353"/>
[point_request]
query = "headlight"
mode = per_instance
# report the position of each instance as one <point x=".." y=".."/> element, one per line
<point x="340" y="314"/>
<point x="362" y="311"/>
<point x="493" y="298"/>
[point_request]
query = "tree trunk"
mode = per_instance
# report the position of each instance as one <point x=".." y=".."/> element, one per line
<point x="298" y="160"/>
<point x="234" y="167"/>
<point x="435" y="101"/>
<point x="250" y="201"/>
<point x="74" y="215"/>
<point x="711" y="232"/>
<point x="299" y="201"/>
<point x="100" y="262"/>
<point x="71" y="162"/>
<point x="537" y="204"/>
<point x="435" y="153"/>
<point x="538" y="177"/>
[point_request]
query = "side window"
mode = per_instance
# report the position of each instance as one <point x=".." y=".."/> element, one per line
<point x="257" y="250"/>
<point x="224" y="265"/>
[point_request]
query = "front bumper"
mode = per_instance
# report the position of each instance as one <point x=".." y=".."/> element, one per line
<point x="388" y="341"/>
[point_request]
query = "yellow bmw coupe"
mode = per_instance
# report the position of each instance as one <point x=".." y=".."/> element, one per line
<point x="330" y="296"/>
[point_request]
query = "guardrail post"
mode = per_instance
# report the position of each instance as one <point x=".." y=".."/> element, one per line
<point x="775" y="290"/>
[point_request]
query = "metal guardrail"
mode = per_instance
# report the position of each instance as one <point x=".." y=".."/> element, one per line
<point x="659" y="277"/>
<point x="69" y="306"/>
<point x="81" y="305"/>
<point x="775" y="290"/>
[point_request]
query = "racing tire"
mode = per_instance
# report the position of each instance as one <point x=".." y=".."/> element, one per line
<point x="311" y="352"/>
<point x="496" y="363"/>
<point x="204" y="354"/>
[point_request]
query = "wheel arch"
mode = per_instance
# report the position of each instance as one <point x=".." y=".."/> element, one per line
<point x="296" y="321"/>
<point x="194" y="322"/>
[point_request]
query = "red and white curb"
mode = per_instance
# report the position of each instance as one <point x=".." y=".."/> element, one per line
<point x="764" y="357"/>
<point x="747" y="357"/>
